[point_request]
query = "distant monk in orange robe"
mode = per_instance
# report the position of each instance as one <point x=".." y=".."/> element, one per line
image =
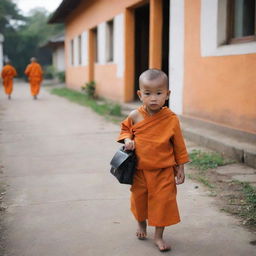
<point x="34" y="73"/>
<point x="153" y="131"/>
<point x="8" y="73"/>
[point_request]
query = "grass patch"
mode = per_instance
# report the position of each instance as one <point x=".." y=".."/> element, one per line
<point x="102" y="107"/>
<point x="205" y="181"/>
<point x="206" y="160"/>
<point x="242" y="202"/>
<point x="200" y="177"/>
<point x="248" y="210"/>
<point x="234" y="197"/>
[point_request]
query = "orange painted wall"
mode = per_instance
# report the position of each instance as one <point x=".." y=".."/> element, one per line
<point x="88" y="15"/>
<point x="219" y="89"/>
<point x="107" y="84"/>
<point x="76" y="77"/>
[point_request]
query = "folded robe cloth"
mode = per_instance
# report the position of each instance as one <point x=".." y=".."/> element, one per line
<point x="158" y="139"/>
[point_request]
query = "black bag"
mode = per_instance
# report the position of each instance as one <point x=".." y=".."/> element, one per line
<point x="123" y="166"/>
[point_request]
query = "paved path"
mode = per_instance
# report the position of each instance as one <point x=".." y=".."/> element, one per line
<point x="62" y="201"/>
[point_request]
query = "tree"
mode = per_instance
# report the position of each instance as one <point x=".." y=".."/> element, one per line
<point x="27" y="39"/>
<point x="8" y="12"/>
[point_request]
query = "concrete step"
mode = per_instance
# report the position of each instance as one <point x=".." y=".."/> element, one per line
<point x="238" y="145"/>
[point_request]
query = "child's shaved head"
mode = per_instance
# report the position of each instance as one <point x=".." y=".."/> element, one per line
<point x="153" y="74"/>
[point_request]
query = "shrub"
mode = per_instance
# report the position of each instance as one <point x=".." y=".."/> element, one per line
<point x="50" y="72"/>
<point x="89" y="89"/>
<point x="61" y="76"/>
<point x="115" y="110"/>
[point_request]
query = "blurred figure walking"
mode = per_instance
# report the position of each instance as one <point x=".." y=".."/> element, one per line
<point x="34" y="73"/>
<point x="8" y="73"/>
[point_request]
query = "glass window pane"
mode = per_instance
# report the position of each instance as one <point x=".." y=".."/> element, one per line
<point x="244" y="18"/>
<point x="249" y="18"/>
<point x="238" y="18"/>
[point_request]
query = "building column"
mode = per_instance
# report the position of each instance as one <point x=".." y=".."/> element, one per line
<point x="129" y="28"/>
<point x="155" y="34"/>
<point x="91" y="54"/>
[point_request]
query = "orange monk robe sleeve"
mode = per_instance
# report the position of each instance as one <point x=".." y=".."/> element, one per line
<point x="179" y="148"/>
<point x="27" y="70"/>
<point x="126" y="130"/>
<point x="14" y="72"/>
<point x="8" y="71"/>
<point x="2" y="73"/>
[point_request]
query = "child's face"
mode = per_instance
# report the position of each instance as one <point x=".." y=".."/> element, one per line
<point x="153" y="94"/>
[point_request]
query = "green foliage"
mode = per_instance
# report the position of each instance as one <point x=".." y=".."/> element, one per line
<point x="8" y="12"/>
<point x="250" y="193"/>
<point x="50" y="72"/>
<point x="203" y="160"/>
<point x="89" y="89"/>
<point x="61" y="76"/>
<point x="26" y="39"/>
<point x="115" y="110"/>
<point x="200" y="177"/>
<point x="248" y="209"/>
<point x="101" y="107"/>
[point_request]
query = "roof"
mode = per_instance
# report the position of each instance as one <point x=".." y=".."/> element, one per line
<point x="55" y="41"/>
<point x="64" y="9"/>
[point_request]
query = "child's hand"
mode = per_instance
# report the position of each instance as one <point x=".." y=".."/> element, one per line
<point x="129" y="144"/>
<point x="180" y="175"/>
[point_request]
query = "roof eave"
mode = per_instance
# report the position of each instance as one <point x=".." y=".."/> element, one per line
<point x="62" y="12"/>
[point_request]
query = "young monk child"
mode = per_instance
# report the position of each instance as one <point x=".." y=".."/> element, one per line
<point x="8" y="73"/>
<point x="153" y="131"/>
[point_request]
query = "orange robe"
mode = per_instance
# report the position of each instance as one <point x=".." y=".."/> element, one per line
<point x="7" y="74"/>
<point x="35" y="76"/>
<point x="159" y="146"/>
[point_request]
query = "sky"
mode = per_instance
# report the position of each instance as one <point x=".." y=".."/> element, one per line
<point x="26" y="5"/>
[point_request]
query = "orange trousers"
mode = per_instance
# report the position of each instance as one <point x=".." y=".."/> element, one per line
<point x="8" y="85"/>
<point x="34" y="85"/>
<point x="153" y="197"/>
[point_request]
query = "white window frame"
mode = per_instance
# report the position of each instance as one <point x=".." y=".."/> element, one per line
<point x="119" y="44"/>
<point x="76" y="51"/>
<point x="101" y="43"/>
<point x="84" y="48"/>
<point x="213" y="25"/>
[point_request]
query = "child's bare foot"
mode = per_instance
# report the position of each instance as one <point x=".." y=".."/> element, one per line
<point x="162" y="245"/>
<point x="159" y="242"/>
<point x="142" y="230"/>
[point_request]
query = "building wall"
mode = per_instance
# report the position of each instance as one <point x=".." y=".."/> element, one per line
<point x="109" y="76"/>
<point x="59" y="58"/>
<point x="219" y="85"/>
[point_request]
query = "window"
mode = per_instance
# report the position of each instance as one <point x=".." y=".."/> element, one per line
<point x="216" y="37"/>
<point x="241" y="21"/>
<point x="109" y="41"/>
<point x="79" y="50"/>
<point x="72" y="52"/>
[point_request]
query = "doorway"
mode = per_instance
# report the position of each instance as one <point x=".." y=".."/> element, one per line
<point x="165" y="41"/>
<point x="141" y="59"/>
<point x="165" y="37"/>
